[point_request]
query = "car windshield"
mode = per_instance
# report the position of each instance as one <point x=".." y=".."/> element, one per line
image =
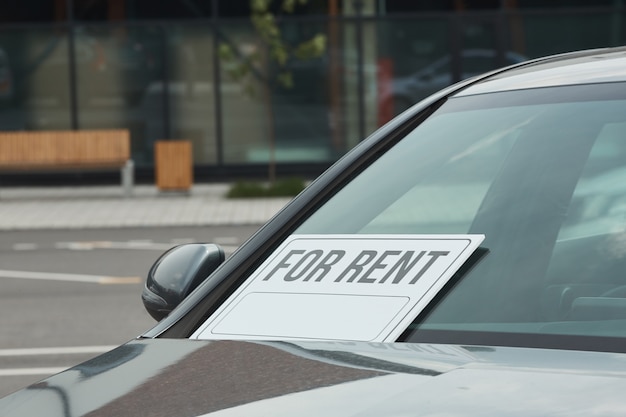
<point x="542" y="175"/>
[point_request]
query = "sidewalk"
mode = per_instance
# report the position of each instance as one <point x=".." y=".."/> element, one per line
<point x="106" y="207"/>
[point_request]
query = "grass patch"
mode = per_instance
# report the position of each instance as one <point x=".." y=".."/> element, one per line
<point x="280" y="188"/>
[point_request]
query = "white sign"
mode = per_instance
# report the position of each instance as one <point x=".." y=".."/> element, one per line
<point x="340" y="287"/>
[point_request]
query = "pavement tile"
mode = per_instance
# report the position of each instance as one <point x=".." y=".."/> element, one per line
<point x="105" y="206"/>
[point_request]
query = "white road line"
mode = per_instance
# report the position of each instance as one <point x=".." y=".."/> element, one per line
<point x="45" y="371"/>
<point x="228" y="243"/>
<point x="31" y="371"/>
<point x="25" y="246"/>
<point x="52" y="276"/>
<point x="133" y="244"/>
<point x="69" y="350"/>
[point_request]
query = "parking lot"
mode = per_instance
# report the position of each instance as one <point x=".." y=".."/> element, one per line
<point x="70" y="293"/>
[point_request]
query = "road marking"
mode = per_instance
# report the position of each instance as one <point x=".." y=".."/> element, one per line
<point x="31" y="371"/>
<point x="229" y="244"/>
<point x="133" y="244"/>
<point x="68" y="350"/>
<point x="120" y="280"/>
<point x="46" y="371"/>
<point x="52" y="276"/>
<point x="25" y="246"/>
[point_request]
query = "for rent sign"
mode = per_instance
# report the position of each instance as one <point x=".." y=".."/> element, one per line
<point x="341" y="287"/>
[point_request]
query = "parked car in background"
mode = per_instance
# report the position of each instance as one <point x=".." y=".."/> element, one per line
<point x="467" y="259"/>
<point x="408" y="90"/>
<point x="6" y="78"/>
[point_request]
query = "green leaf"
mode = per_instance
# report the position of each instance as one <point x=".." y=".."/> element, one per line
<point x="259" y="6"/>
<point x="312" y="48"/>
<point x="285" y="79"/>
<point x="225" y="52"/>
<point x="289" y="5"/>
<point x="249" y="70"/>
<point x="280" y="55"/>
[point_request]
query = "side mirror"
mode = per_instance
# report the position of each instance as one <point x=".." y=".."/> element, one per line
<point x="176" y="274"/>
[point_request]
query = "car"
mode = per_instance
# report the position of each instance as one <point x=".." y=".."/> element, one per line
<point x="409" y="89"/>
<point x="466" y="259"/>
<point x="6" y="78"/>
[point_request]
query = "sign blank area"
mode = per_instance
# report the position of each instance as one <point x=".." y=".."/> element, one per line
<point x="306" y="316"/>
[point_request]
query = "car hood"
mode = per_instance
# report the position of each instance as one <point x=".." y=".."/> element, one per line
<point x="164" y="377"/>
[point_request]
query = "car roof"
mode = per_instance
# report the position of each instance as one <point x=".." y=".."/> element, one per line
<point x="587" y="67"/>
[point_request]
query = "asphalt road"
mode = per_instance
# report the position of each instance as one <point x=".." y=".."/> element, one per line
<point x="67" y="296"/>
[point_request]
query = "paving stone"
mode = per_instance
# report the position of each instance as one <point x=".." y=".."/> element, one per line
<point x="98" y="206"/>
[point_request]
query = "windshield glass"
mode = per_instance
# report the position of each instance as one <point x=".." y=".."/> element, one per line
<point x="542" y="174"/>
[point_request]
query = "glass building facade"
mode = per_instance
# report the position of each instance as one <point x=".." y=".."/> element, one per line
<point x="155" y="68"/>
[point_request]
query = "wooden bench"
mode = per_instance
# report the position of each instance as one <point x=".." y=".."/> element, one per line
<point x="69" y="150"/>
